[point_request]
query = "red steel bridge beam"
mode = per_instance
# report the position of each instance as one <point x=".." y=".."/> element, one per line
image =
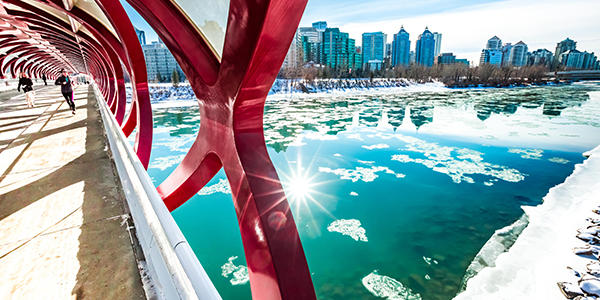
<point x="231" y="97"/>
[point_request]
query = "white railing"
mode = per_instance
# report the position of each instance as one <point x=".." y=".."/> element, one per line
<point x="174" y="269"/>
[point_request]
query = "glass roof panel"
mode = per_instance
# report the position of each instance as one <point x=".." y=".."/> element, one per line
<point x="210" y="17"/>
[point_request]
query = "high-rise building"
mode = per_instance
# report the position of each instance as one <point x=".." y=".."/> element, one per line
<point x="425" y="49"/>
<point x="373" y="49"/>
<point x="541" y="57"/>
<point x="564" y="46"/>
<point x="575" y="59"/>
<point x="506" y="49"/>
<point x="141" y="36"/>
<point x="494" y="43"/>
<point x="160" y="63"/>
<point x="491" y="56"/>
<point x="446" y="59"/>
<point x="518" y="54"/>
<point x="437" y="37"/>
<point x="337" y="49"/>
<point x="291" y="58"/>
<point x="401" y="48"/>
<point x="320" y="26"/>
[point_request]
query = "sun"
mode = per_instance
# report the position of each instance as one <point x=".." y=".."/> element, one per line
<point x="301" y="189"/>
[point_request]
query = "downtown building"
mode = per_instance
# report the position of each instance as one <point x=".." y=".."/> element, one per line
<point x="542" y="57"/>
<point x="373" y="50"/>
<point x="305" y="47"/>
<point x="338" y="50"/>
<point x="577" y="60"/>
<point x="401" y="48"/>
<point x="498" y="54"/>
<point x="492" y="54"/>
<point x="160" y="63"/>
<point x="425" y="49"/>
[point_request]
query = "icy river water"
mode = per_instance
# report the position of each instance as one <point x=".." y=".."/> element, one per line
<point x="394" y="192"/>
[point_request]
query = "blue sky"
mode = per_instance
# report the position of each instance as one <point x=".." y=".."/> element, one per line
<point x="465" y="25"/>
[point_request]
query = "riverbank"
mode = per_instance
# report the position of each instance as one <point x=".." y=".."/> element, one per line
<point x="543" y="255"/>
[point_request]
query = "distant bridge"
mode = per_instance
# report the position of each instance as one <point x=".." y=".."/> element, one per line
<point x="577" y="75"/>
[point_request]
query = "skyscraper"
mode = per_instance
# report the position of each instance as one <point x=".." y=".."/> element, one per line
<point x="541" y="57"/>
<point x="401" y="48"/>
<point x="564" y="46"/>
<point x="320" y="26"/>
<point x="373" y="49"/>
<point x="518" y="54"/>
<point x="492" y="54"/>
<point x="141" y="36"/>
<point x="160" y="63"/>
<point x="506" y="48"/>
<point x="337" y="49"/>
<point x="425" y="49"/>
<point x="438" y="43"/>
<point x="494" y="43"/>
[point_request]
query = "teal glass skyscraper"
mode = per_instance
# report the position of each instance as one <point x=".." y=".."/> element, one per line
<point x="337" y="49"/>
<point x="425" y="50"/>
<point x="401" y="48"/>
<point x="373" y="49"/>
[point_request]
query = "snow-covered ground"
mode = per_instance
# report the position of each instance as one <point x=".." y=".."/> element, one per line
<point x="283" y="88"/>
<point x="539" y="258"/>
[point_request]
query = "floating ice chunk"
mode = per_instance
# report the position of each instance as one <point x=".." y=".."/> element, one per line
<point x="240" y="273"/>
<point x="429" y="260"/>
<point x="559" y="160"/>
<point x="488" y="183"/>
<point x="353" y="194"/>
<point x="427" y="277"/>
<point x="366" y="162"/>
<point x="350" y="228"/>
<point x="165" y="162"/>
<point x="337" y="155"/>
<point x="220" y="187"/>
<point x="376" y="146"/>
<point x="528" y="153"/>
<point x="360" y="173"/>
<point x="387" y="287"/>
<point x="467" y="161"/>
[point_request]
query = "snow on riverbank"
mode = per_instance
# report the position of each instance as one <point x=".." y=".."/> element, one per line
<point x="283" y="88"/>
<point x="540" y="256"/>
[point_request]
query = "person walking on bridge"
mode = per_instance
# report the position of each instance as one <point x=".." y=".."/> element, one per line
<point x="44" y="79"/>
<point x="27" y="85"/>
<point x="66" y="88"/>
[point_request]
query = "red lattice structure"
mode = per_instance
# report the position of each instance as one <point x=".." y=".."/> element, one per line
<point x="231" y="79"/>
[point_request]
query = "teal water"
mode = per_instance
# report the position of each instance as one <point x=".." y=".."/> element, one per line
<point x="430" y="175"/>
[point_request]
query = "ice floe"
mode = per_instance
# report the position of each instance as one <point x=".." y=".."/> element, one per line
<point x="376" y="146"/>
<point x="165" y="162"/>
<point x="527" y="153"/>
<point x="388" y="287"/>
<point x="466" y="162"/>
<point x="360" y="173"/>
<point x="220" y="187"/>
<point x="351" y="228"/>
<point x="558" y="160"/>
<point x="240" y="273"/>
<point x="429" y="260"/>
<point x="353" y="194"/>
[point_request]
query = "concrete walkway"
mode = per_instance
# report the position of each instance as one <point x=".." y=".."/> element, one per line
<point x="63" y="218"/>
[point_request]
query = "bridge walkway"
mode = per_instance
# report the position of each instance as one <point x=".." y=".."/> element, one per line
<point x="63" y="218"/>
